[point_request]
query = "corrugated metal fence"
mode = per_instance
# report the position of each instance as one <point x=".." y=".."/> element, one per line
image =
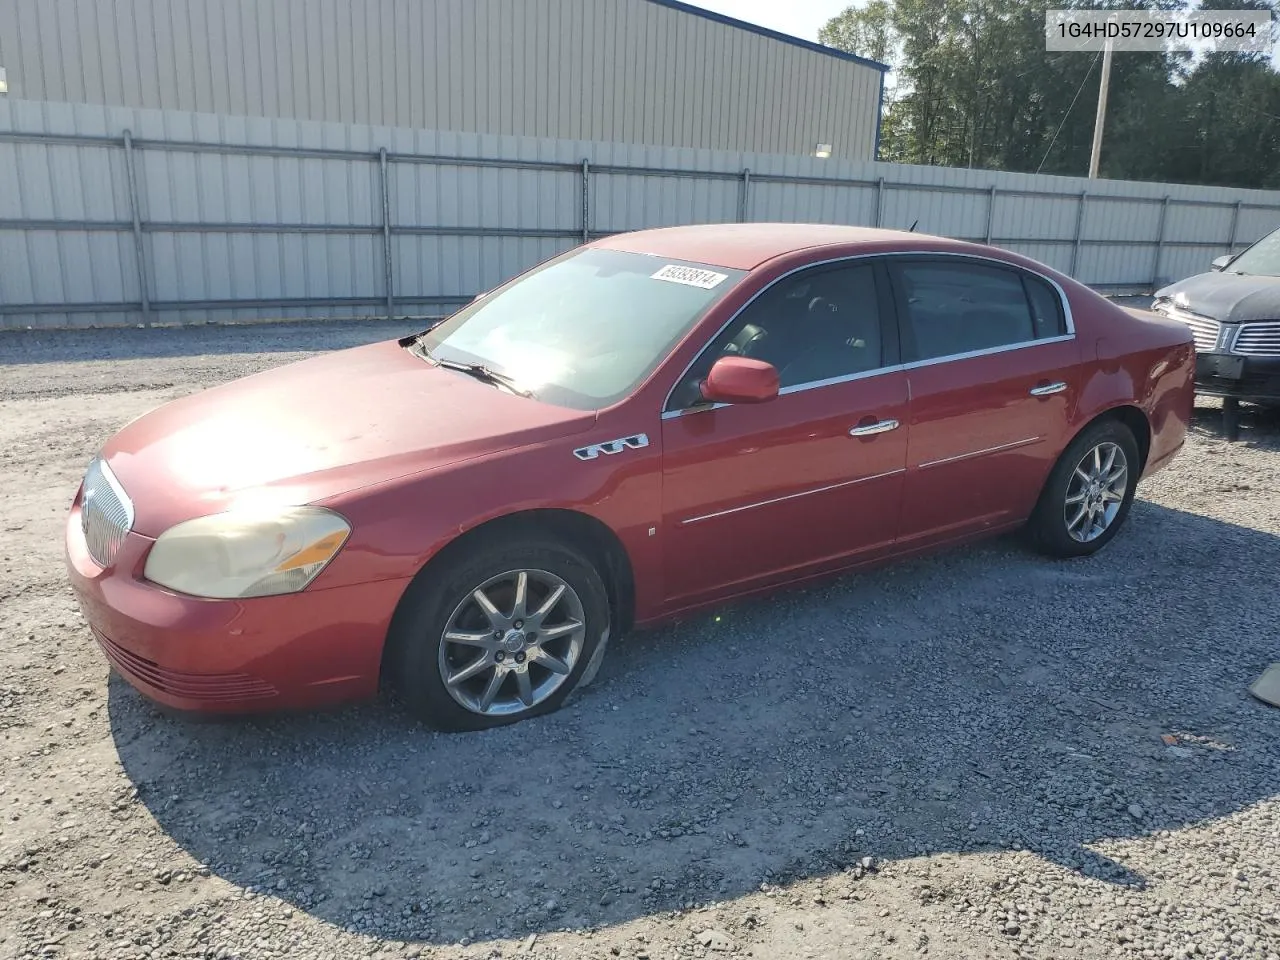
<point x="112" y="215"/>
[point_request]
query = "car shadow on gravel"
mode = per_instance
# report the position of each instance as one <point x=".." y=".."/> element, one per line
<point x="975" y="700"/>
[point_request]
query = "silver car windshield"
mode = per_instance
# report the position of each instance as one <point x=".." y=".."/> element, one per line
<point x="585" y="329"/>
<point x="1262" y="259"/>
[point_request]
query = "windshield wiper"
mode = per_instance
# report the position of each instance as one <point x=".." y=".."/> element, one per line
<point x="480" y="372"/>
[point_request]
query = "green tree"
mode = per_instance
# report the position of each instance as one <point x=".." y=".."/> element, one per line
<point x="972" y="85"/>
<point x="862" y="30"/>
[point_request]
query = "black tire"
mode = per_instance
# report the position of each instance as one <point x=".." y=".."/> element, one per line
<point x="1048" y="527"/>
<point x="417" y="631"/>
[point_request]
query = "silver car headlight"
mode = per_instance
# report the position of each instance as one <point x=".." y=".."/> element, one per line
<point x="247" y="554"/>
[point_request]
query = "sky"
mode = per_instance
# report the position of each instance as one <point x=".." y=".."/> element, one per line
<point x="799" y="18"/>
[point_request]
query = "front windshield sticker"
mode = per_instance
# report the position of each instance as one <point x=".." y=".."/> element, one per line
<point x="692" y="276"/>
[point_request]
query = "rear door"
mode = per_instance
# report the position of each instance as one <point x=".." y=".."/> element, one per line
<point x="759" y="493"/>
<point x="993" y="368"/>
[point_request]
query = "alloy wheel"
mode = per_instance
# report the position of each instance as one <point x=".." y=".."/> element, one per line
<point x="512" y="642"/>
<point x="1096" y="491"/>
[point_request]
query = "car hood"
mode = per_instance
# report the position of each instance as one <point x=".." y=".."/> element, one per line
<point x="1227" y="297"/>
<point x="315" y="429"/>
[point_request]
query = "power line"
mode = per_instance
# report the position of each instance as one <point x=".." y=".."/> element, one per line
<point x="1087" y="74"/>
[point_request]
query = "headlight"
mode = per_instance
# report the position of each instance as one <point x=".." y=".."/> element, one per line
<point x="247" y="554"/>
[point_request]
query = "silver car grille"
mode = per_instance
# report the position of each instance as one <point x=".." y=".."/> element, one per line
<point x="106" y="513"/>
<point x="1204" y="330"/>
<point x="1258" y="339"/>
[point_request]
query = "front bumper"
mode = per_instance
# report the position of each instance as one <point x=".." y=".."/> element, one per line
<point x="298" y="651"/>
<point x="1255" y="379"/>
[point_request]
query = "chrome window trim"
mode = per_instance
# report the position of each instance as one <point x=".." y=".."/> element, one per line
<point x="794" y="388"/>
<point x="672" y="414"/>
<point x="978" y="453"/>
<point x="792" y="496"/>
<point x="862" y="375"/>
<point x="987" y="351"/>
<point x="812" y="385"/>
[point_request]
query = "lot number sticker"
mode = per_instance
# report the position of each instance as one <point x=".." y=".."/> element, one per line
<point x="691" y="276"/>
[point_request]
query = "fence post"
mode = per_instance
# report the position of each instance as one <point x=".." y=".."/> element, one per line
<point x="991" y="211"/>
<point x="387" y="275"/>
<point x="1235" y="226"/>
<point x="744" y="195"/>
<point x="138" y="246"/>
<point x="879" y="201"/>
<point x="1155" y="271"/>
<point x="586" y="200"/>
<point x="1075" y="241"/>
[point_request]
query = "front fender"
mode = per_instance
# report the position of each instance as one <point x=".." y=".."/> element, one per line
<point x="398" y="526"/>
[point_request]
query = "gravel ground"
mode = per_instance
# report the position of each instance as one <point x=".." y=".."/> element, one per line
<point x="979" y="753"/>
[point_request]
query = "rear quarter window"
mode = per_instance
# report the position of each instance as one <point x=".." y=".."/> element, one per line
<point x="1047" y="316"/>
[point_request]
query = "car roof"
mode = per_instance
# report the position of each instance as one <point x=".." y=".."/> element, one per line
<point x="744" y="246"/>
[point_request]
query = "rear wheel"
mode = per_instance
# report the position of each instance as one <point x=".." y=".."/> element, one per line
<point x="1088" y="495"/>
<point x="504" y="633"/>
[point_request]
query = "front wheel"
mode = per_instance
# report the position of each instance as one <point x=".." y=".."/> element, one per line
<point x="504" y="633"/>
<point x="1088" y="495"/>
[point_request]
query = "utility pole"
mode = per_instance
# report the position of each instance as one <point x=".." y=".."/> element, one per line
<point x="1098" y="122"/>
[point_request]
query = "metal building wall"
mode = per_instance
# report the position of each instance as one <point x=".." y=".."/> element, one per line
<point x="242" y="218"/>
<point x="631" y="71"/>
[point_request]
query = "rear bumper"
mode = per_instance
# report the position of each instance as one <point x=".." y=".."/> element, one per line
<point x="1244" y="378"/>
<point x="298" y="651"/>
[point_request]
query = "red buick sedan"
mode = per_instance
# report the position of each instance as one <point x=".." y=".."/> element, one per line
<point x="644" y="426"/>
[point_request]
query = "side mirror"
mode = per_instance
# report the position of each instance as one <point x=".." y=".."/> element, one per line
<point x="1221" y="262"/>
<point x="740" y="380"/>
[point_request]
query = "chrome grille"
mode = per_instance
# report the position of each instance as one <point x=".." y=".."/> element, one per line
<point x="1258" y="339"/>
<point x="106" y="513"/>
<point x="1204" y="330"/>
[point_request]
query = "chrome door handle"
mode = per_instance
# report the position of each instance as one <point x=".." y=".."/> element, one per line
<point x="1048" y="389"/>
<point x="871" y="429"/>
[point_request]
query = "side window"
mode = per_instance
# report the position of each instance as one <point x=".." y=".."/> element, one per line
<point x="817" y="325"/>
<point x="959" y="307"/>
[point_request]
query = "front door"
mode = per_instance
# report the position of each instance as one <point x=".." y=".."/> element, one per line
<point x="760" y="493"/>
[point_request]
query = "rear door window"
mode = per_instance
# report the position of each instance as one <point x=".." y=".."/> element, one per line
<point x="955" y="307"/>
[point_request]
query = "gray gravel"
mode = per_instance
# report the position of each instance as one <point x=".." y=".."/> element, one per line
<point x="979" y="753"/>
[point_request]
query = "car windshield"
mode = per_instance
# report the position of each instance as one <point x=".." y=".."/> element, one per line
<point x="1262" y="259"/>
<point x="584" y="329"/>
